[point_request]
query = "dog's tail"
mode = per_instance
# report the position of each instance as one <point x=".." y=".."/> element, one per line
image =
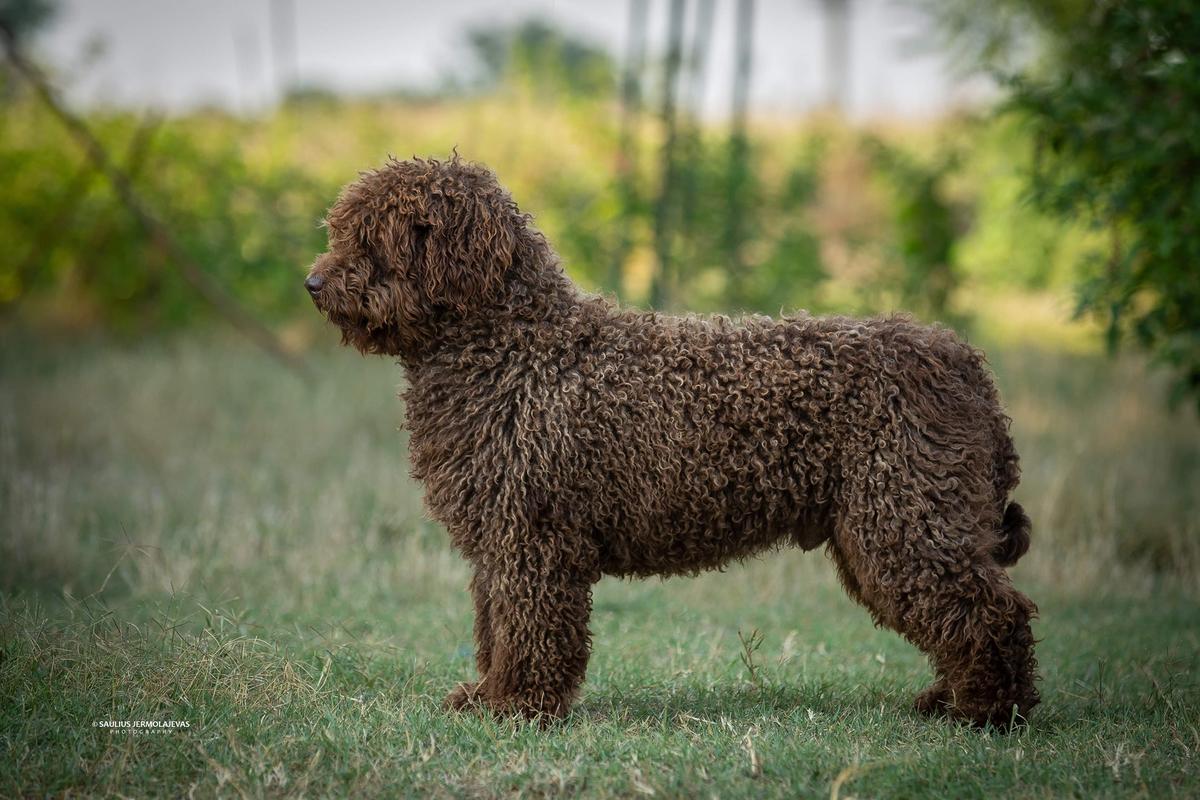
<point x="1013" y="540"/>
<point x="1014" y="536"/>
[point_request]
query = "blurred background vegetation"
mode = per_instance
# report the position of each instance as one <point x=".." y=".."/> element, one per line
<point x="1075" y="191"/>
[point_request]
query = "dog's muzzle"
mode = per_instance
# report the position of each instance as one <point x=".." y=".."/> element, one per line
<point x="314" y="283"/>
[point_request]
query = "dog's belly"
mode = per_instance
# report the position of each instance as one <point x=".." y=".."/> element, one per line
<point x="683" y="541"/>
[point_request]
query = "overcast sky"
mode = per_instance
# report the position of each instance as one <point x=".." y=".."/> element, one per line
<point x="179" y="53"/>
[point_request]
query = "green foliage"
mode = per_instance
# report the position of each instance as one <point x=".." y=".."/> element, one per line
<point x="789" y="270"/>
<point x="1011" y="245"/>
<point x="252" y="225"/>
<point x="928" y="227"/>
<point x="21" y="18"/>
<point x="768" y="221"/>
<point x="1115" y="122"/>
<point x="999" y="35"/>
<point x="771" y="260"/>
<point x="543" y="56"/>
<point x="245" y="197"/>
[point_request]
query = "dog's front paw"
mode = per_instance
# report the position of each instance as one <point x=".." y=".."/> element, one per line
<point x="935" y="701"/>
<point x="464" y="696"/>
<point x="940" y="701"/>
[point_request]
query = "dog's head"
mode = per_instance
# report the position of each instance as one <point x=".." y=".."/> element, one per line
<point x="412" y="246"/>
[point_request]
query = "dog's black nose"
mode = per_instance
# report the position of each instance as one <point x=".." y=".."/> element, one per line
<point x="314" y="283"/>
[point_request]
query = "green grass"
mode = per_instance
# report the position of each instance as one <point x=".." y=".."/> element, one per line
<point x="189" y="533"/>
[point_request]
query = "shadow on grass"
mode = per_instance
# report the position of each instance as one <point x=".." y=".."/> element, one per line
<point x="739" y="705"/>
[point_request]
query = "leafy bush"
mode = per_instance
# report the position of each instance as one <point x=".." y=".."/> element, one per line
<point x="252" y="224"/>
<point x="1115" y="124"/>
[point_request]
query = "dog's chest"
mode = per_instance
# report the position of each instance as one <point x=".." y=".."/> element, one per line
<point x="458" y="449"/>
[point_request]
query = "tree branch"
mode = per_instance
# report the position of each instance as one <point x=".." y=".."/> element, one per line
<point x="212" y="292"/>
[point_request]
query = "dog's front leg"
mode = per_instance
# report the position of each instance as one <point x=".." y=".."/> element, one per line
<point x="539" y="600"/>
<point x="466" y="694"/>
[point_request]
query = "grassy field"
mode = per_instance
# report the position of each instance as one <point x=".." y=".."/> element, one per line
<point x="191" y="533"/>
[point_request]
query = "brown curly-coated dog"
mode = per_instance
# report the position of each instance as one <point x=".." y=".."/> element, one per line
<point x="561" y="438"/>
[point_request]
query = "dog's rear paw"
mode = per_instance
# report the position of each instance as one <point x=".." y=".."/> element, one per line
<point x="464" y="696"/>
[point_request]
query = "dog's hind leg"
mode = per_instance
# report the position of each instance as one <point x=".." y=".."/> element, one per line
<point x="983" y="651"/>
<point x="909" y="562"/>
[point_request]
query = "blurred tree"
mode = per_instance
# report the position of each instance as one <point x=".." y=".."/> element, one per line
<point x="1000" y="36"/>
<point x="792" y="271"/>
<point x="662" y="284"/>
<point x="47" y="234"/>
<point x="678" y="214"/>
<point x="21" y="18"/>
<point x="739" y="177"/>
<point x="837" y="53"/>
<point x="928" y="227"/>
<point x="627" y="145"/>
<point x="543" y="56"/>
<point x="692" y="142"/>
<point x="251" y="225"/>
<point x="1113" y="104"/>
<point x="140" y="212"/>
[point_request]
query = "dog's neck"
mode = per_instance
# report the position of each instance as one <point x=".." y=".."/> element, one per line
<point x="530" y="299"/>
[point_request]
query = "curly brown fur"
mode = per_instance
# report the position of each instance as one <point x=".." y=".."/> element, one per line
<point x="561" y="438"/>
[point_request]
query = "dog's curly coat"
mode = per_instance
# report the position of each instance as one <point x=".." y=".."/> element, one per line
<point x="561" y="438"/>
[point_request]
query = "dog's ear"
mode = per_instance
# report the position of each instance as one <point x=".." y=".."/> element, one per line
<point x="457" y="239"/>
<point x="466" y="241"/>
<point x="447" y="232"/>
